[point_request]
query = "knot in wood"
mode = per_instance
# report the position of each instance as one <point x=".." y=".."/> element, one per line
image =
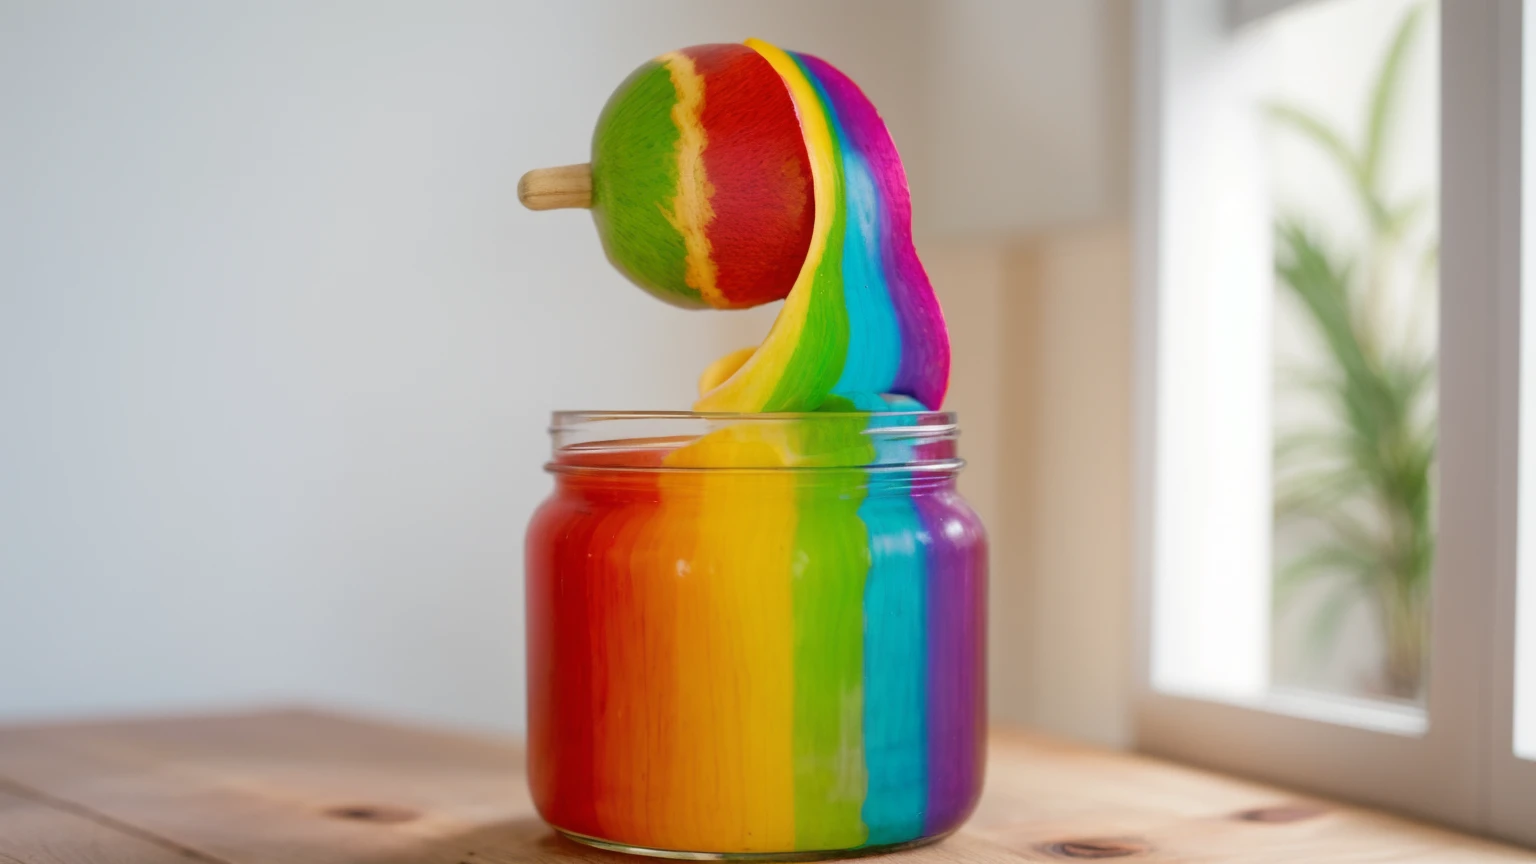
<point x="1094" y="849"/>
<point x="383" y="814"/>
<point x="1280" y="815"/>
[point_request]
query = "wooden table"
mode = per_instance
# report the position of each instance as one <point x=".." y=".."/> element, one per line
<point x="309" y="788"/>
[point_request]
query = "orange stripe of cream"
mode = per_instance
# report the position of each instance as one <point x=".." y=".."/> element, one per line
<point x="691" y="211"/>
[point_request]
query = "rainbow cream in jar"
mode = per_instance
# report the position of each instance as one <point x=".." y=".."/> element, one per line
<point x="757" y="628"/>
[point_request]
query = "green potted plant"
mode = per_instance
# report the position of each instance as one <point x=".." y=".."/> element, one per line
<point x="1357" y="485"/>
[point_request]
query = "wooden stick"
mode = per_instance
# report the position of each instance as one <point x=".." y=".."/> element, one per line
<point x="556" y="188"/>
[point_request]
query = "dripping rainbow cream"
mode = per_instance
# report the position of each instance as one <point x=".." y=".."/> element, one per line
<point x="763" y="632"/>
<point x="861" y="316"/>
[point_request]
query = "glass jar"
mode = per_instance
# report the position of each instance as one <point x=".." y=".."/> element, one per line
<point x="755" y="634"/>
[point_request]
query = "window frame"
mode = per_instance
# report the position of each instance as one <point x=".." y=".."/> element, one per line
<point x="1512" y="780"/>
<point x="1460" y="769"/>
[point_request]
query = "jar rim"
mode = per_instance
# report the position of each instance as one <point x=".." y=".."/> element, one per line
<point x="927" y="467"/>
<point x="803" y="442"/>
<point x="565" y="418"/>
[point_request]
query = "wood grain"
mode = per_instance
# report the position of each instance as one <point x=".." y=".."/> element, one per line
<point x="34" y="831"/>
<point x="312" y="788"/>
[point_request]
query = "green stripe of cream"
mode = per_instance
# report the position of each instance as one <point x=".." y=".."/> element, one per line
<point x="830" y="565"/>
<point x="812" y="371"/>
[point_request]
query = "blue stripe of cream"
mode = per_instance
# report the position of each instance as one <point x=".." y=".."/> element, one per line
<point x="895" y="652"/>
<point x="874" y="335"/>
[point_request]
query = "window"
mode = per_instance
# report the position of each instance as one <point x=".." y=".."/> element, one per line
<point x="1349" y="127"/>
<point x="1329" y="352"/>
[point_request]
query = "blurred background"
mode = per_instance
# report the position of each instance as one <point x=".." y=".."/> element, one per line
<point x="278" y="345"/>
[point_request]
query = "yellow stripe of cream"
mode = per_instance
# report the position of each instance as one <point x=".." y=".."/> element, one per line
<point x="691" y="210"/>
<point x="750" y="388"/>
<point x="735" y="728"/>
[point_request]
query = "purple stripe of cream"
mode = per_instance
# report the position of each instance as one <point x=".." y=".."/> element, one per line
<point x="924" y="370"/>
<point x="957" y="566"/>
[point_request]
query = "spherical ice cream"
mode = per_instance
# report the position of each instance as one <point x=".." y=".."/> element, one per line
<point x="728" y="176"/>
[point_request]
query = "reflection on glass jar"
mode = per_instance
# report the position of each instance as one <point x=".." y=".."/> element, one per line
<point x="755" y="633"/>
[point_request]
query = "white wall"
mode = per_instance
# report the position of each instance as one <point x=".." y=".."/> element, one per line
<point x="278" y="346"/>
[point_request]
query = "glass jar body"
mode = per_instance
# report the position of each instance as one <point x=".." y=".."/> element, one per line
<point x="755" y="661"/>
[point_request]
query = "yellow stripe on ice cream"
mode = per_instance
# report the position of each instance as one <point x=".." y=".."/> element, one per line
<point x="691" y="211"/>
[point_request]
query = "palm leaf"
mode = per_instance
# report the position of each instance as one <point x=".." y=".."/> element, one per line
<point x="1322" y="285"/>
<point x="1362" y="484"/>
<point x="1316" y="444"/>
<point x="1402" y="217"/>
<point x="1384" y="98"/>
<point x="1301" y="378"/>
<point x="1332" y="143"/>
<point x="1363" y="170"/>
<point x="1318" y="493"/>
<point x="1320" y="562"/>
<point x="1322" y="134"/>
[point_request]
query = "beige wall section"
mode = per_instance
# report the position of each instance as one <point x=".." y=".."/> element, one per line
<point x="1042" y="381"/>
<point x="1069" y="491"/>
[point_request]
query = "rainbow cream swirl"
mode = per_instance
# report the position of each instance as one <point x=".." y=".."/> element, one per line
<point x="861" y="316"/>
<point x="763" y="633"/>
